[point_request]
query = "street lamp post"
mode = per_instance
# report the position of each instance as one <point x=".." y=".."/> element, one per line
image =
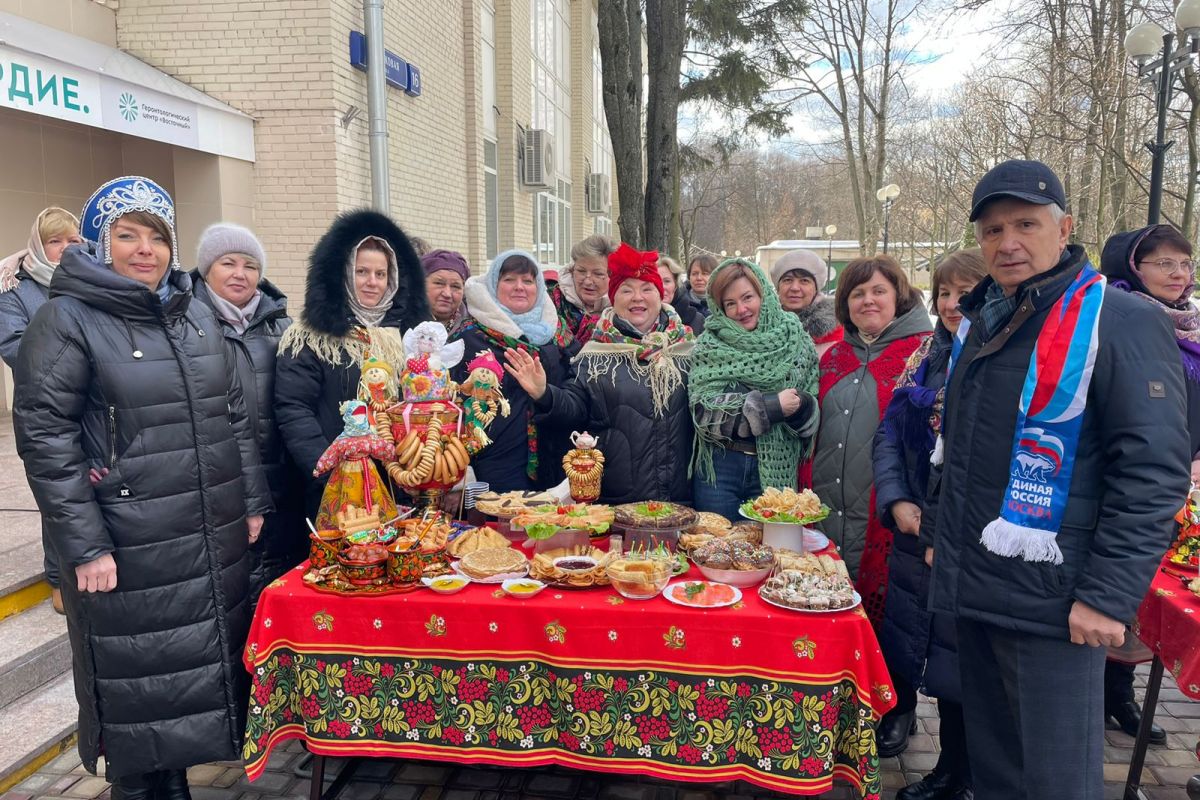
<point x="1152" y="50"/>
<point x="830" y="230"/>
<point x="887" y="195"/>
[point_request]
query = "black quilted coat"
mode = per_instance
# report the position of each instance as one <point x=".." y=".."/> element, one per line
<point x="284" y="540"/>
<point x="109" y="376"/>
<point x="308" y="390"/>
<point x="646" y="454"/>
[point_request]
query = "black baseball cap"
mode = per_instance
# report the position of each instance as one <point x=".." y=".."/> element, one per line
<point x="1031" y="181"/>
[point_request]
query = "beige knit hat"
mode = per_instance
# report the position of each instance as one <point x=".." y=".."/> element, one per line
<point x="806" y="260"/>
<point x="224" y="238"/>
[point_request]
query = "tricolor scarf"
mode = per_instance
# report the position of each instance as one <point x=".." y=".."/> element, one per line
<point x="1048" y="422"/>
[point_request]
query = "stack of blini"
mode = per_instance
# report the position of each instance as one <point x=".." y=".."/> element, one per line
<point x="491" y="562"/>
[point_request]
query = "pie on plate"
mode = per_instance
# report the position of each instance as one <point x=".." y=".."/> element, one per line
<point x="655" y="515"/>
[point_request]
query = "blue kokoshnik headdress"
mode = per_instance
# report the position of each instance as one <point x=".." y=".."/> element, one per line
<point x="123" y="196"/>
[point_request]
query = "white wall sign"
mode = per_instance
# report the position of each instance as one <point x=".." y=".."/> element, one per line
<point x="52" y="88"/>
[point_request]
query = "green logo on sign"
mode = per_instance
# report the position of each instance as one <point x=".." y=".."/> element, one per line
<point x="128" y="106"/>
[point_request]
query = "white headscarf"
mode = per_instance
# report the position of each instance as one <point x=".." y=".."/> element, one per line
<point x="370" y="317"/>
<point x="32" y="259"/>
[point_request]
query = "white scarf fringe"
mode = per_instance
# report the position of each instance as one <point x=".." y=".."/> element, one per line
<point x="662" y="373"/>
<point x="1008" y="539"/>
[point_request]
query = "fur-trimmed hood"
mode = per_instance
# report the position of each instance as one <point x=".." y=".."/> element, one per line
<point x="326" y="305"/>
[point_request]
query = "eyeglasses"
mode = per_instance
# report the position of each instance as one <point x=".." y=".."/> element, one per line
<point x="1169" y="266"/>
<point x="596" y="277"/>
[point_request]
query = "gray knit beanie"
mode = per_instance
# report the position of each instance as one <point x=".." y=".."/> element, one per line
<point x="223" y="238"/>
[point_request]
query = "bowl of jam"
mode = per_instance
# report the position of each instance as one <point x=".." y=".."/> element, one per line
<point x="575" y="563"/>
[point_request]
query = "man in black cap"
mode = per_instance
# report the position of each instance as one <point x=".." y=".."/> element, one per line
<point x="1062" y="466"/>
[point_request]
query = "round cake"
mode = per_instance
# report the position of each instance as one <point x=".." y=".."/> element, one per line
<point x="655" y="515"/>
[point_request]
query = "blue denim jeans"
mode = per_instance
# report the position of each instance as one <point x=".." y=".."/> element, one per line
<point x="736" y="482"/>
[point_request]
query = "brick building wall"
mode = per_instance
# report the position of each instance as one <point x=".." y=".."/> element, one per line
<point x="286" y="64"/>
<point x="270" y="60"/>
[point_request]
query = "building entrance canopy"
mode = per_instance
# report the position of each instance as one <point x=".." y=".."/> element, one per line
<point x="56" y="74"/>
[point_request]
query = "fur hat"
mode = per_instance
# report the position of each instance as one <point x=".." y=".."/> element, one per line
<point x="224" y="238"/>
<point x="805" y="260"/>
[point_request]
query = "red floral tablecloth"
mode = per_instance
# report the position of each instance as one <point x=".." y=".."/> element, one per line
<point x="582" y="678"/>
<point x="1169" y="623"/>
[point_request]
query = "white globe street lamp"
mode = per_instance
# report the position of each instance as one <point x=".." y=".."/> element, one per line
<point x="887" y="195"/>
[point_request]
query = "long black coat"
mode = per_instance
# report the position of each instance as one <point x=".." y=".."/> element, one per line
<point x="284" y="540"/>
<point x="309" y="388"/>
<point x="109" y="376"/>
<point x="645" y="453"/>
<point x="918" y="645"/>
<point x="1129" y="478"/>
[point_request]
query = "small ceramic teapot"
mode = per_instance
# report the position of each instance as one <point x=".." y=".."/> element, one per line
<point x="583" y="441"/>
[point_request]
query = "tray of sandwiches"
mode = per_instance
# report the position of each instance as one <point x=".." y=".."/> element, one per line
<point x="509" y="504"/>
<point x="809" y="583"/>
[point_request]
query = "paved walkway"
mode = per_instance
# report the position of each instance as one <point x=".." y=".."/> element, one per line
<point x="1167" y="768"/>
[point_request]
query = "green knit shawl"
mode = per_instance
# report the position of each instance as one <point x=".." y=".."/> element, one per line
<point x="778" y="354"/>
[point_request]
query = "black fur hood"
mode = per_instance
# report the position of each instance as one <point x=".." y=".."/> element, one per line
<point x="326" y="306"/>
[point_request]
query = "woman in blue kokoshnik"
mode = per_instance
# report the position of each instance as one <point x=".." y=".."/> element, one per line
<point x="133" y="429"/>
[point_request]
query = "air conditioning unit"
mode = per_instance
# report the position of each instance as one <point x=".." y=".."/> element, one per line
<point x="537" y="169"/>
<point x="599" y="193"/>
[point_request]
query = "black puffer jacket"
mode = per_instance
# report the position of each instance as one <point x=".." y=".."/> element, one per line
<point x="309" y="387"/>
<point x="284" y="540"/>
<point x="1130" y="471"/>
<point x="643" y="450"/>
<point x="918" y="645"/>
<point x="109" y="377"/>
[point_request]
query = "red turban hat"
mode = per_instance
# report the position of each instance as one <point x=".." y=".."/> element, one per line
<point x="629" y="263"/>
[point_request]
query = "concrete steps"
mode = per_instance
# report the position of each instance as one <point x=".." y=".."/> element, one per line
<point x="36" y="651"/>
<point x="37" y="727"/>
<point x="38" y="712"/>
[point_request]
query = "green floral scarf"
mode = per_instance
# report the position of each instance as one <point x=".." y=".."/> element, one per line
<point x="778" y="354"/>
<point x="657" y="359"/>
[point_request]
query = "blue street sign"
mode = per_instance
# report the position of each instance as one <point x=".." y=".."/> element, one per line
<point x="399" y="72"/>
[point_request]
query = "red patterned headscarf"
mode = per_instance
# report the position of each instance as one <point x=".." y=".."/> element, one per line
<point x="628" y="263"/>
